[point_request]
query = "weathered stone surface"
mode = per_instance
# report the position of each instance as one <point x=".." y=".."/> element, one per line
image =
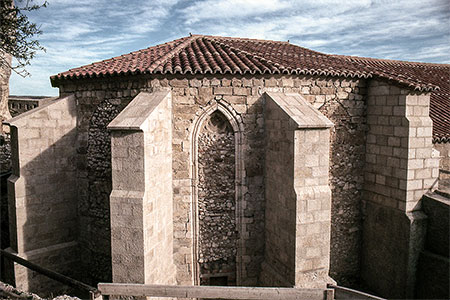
<point x="444" y="164"/>
<point x="141" y="200"/>
<point x="5" y="152"/>
<point x="216" y="200"/>
<point x="41" y="224"/>
<point x="395" y="180"/>
<point x="345" y="179"/>
<point x="298" y="210"/>
<point x="93" y="206"/>
<point x="5" y="72"/>
<point x="343" y="101"/>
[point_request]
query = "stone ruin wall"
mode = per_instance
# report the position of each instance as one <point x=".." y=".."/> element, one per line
<point x="216" y="201"/>
<point x="5" y="73"/>
<point x="341" y="100"/>
<point x="5" y="167"/>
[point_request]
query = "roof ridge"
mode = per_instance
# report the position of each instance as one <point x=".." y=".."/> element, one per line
<point x="246" y="53"/>
<point x="242" y="39"/>
<point x="267" y="42"/>
<point x="416" y="84"/>
<point x="163" y="59"/>
<point x="416" y="63"/>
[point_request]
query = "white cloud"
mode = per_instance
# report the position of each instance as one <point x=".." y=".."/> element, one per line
<point x="70" y="32"/>
<point x="219" y="9"/>
<point x="333" y="26"/>
<point x="83" y="31"/>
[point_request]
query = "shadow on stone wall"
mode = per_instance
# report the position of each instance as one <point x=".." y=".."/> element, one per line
<point x="95" y="183"/>
<point x="43" y="196"/>
<point x="346" y="176"/>
<point x="46" y="220"/>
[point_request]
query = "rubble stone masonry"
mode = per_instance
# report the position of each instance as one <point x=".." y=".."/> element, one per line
<point x="341" y="100"/>
<point x="216" y="200"/>
<point x="444" y="164"/>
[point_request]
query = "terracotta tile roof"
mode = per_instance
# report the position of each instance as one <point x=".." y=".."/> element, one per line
<point x="220" y="55"/>
<point x="199" y="54"/>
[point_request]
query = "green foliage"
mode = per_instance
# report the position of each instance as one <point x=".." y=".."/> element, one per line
<point x="18" y="34"/>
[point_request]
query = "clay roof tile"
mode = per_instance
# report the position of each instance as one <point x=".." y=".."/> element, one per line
<point x="200" y="54"/>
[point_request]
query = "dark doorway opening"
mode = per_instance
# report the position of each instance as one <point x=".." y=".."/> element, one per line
<point x="218" y="281"/>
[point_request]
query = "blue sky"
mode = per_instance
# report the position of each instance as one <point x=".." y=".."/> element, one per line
<point x="84" y="31"/>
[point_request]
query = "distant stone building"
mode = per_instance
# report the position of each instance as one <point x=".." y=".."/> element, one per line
<point x="230" y="161"/>
<point x="21" y="104"/>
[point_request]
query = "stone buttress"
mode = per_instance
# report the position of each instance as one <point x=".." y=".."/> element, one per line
<point x="298" y="196"/>
<point x="399" y="169"/>
<point x="141" y="200"/>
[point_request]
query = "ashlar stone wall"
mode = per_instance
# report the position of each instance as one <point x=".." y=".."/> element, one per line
<point x="141" y="200"/>
<point x="42" y="193"/>
<point x="399" y="168"/>
<point x="298" y="197"/>
<point x="340" y="99"/>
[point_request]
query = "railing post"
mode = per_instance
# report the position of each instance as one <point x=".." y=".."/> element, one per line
<point x="329" y="294"/>
<point x="95" y="296"/>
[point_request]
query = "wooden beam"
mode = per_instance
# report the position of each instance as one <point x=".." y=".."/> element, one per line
<point x="347" y="293"/>
<point x="212" y="292"/>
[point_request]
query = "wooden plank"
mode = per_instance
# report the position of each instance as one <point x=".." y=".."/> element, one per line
<point x="347" y="293"/>
<point x="210" y="292"/>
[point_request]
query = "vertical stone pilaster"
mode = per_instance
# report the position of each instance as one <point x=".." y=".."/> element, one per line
<point x="313" y="207"/>
<point x="127" y="203"/>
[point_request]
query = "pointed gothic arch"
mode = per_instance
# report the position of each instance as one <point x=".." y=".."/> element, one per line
<point x="237" y="127"/>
